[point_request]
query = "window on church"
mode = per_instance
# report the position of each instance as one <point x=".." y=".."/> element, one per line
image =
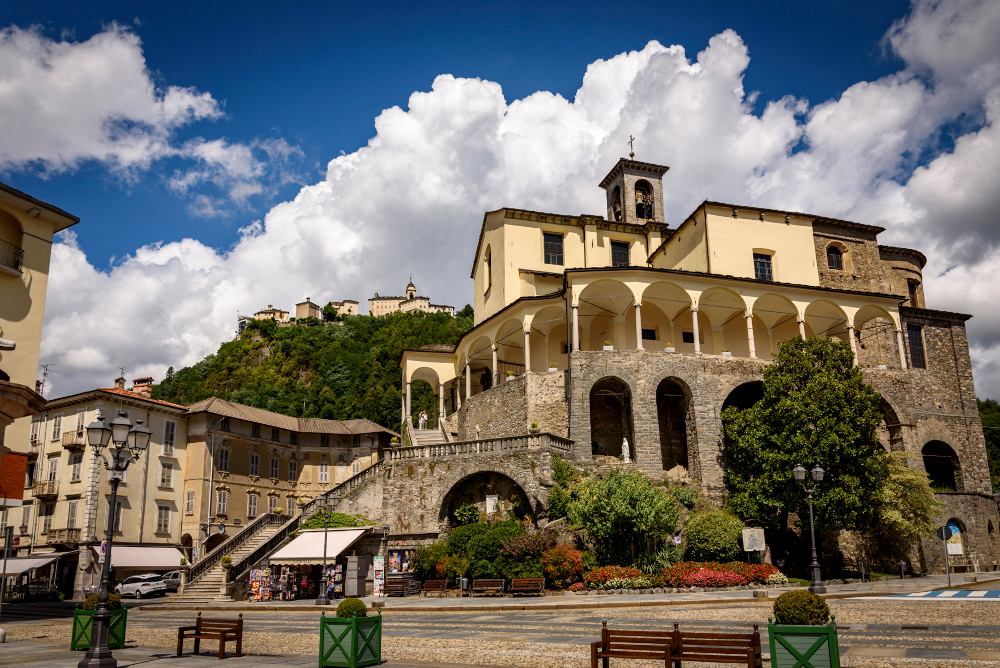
<point x="834" y="258"/>
<point x="914" y="333"/>
<point x="762" y="267"/>
<point x="649" y="335"/>
<point x="488" y="266"/>
<point x="913" y="285"/>
<point x="643" y="201"/>
<point x="553" y="248"/>
<point x="619" y="254"/>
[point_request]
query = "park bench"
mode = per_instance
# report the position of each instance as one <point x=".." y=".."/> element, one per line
<point x="527" y="586"/>
<point x="677" y="646"/>
<point x="628" y="644"/>
<point x="223" y="630"/>
<point x="487" y="587"/>
<point x="439" y="587"/>
<point x="401" y="584"/>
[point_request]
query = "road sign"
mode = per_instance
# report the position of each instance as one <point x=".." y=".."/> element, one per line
<point x="944" y="533"/>
<point x="17" y="541"/>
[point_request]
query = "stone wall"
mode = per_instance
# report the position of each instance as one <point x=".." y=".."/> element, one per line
<point x="365" y="500"/>
<point x="975" y="512"/>
<point x="509" y="408"/>
<point x="863" y="269"/>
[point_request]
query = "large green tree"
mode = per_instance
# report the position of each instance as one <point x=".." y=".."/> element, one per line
<point x="816" y="410"/>
<point x="989" y="413"/>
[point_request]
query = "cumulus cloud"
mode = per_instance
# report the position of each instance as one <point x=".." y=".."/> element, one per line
<point x="413" y="198"/>
<point x="66" y="103"/>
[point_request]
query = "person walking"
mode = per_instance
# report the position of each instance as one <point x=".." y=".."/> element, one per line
<point x="422" y="419"/>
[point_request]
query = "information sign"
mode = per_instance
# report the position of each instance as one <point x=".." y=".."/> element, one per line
<point x="378" y="585"/>
<point x="753" y="540"/>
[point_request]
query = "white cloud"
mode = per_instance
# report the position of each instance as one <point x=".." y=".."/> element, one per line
<point x="413" y="198"/>
<point x="65" y="103"/>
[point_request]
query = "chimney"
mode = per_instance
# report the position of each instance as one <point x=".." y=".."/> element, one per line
<point x="120" y="383"/>
<point x="143" y="386"/>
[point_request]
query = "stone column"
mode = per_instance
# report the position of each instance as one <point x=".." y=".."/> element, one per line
<point x="802" y="329"/>
<point x="694" y="327"/>
<point x="854" y="345"/>
<point x="494" y="371"/>
<point x="753" y="349"/>
<point x="638" y="326"/>
<point x="576" y="327"/>
<point x="527" y="350"/>
<point x="409" y="406"/>
<point x="468" y="381"/>
<point x="902" y="349"/>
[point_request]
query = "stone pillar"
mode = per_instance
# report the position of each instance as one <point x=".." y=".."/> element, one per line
<point x="673" y="334"/>
<point x="902" y="349"/>
<point x="753" y="350"/>
<point x="527" y="350"/>
<point x="409" y="406"/>
<point x="854" y="345"/>
<point x="441" y="414"/>
<point x="802" y="329"/>
<point x="638" y="326"/>
<point x="694" y="327"/>
<point x="576" y="327"/>
<point x="457" y="387"/>
<point x="494" y="371"/>
<point x="468" y="381"/>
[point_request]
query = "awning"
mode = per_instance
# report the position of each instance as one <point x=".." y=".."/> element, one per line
<point x="19" y="565"/>
<point x="307" y="548"/>
<point x="138" y="556"/>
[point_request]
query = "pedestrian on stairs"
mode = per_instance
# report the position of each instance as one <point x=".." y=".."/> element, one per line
<point x="422" y="419"/>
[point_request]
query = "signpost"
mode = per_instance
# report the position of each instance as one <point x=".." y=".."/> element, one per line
<point x="753" y="541"/>
<point x="8" y="542"/>
<point x="944" y="533"/>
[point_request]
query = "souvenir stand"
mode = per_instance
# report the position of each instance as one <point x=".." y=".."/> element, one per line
<point x="297" y="567"/>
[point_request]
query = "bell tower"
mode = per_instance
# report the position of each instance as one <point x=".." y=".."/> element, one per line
<point x="635" y="192"/>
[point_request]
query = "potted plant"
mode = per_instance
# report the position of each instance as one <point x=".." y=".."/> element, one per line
<point x="534" y="428"/>
<point x="278" y="510"/>
<point x="881" y="366"/>
<point x="553" y="367"/>
<point x="726" y="353"/>
<point x="184" y="562"/>
<point x="510" y="374"/>
<point x="669" y="348"/>
<point x="802" y="634"/>
<point x="83" y="623"/>
<point x="226" y="561"/>
<point x="608" y="345"/>
<point x="352" y="638"/>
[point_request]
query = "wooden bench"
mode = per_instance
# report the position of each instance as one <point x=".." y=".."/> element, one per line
<point x="527" y="586"/>
<point x="223" y="630"/>
<point x="439" y="587"/>
<point x="487" y="587"/>
<point x="628" y="644"/>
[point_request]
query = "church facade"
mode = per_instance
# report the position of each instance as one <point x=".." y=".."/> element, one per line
<point x="620" y="327"/>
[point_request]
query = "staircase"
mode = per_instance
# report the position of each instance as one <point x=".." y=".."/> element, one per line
<point x="419" y="437"/>
<point x="208" y="587"/>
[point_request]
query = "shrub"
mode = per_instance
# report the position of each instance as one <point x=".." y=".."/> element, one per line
<point x="598" y="577"/>
<point x="352" y="607"/>
<point x="563" y="473"/>
<point x="426" y="559"/>
<point x="528" y="544"/>
<point x="484" y="548"/>
<point x="801" y="607"/>
<point x="686" y="497"/>
<point x="710" y="578"/>
<point x="777" y="579"/>
<point x="559" y="500"/>
<point x="629" y="583"/>
<point x="452" y="568"/>
<point x="458" y="539"/>
<point x="563" y="564"/>
<point x="467" y="513"/>
<point x="114" y="602"/>
<point x="577" y="586"/>
<point x="184" y="561"/>
<point x="226" y="560"/>
<point x="713" y="536"/>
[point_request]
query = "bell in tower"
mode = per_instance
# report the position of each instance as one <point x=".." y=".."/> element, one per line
<point x="635" y="192"/>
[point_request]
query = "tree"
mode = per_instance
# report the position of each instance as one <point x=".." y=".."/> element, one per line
<point x="989" y="413"/>
<point x="466" y="312"/>
<point x="329" y="313"/>
<point x="816" y="410"/>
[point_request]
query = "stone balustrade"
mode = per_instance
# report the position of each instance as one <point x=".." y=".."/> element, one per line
<point x="542" y="441"/>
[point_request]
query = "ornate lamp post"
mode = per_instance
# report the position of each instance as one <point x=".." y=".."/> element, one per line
<point x="817" y="475"/>
<point x="128" y="444"/>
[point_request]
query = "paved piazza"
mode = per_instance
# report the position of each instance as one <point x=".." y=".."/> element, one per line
<point x="910" y="630"/>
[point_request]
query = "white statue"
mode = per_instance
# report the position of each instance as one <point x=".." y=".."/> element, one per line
<point x="625" y="450"/>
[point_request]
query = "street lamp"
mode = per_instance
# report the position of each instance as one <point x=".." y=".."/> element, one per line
<point x="128" y="443"/>
<point x="324" y="597"/>
<point x="799" y="474"/>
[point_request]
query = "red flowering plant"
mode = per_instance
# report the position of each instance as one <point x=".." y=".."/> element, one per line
<point x="709" y="578"/>
<point x="679" y="574"/>
<point x="563" y="564"/>
<point x="598" y="577"/>
<point x="577" y="586"/>
<point x="528" y="545"/>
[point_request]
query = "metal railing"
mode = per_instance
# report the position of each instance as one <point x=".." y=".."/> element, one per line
<point x="74" y="440"/>
<point x="34" y="447"/>
<point x="11" y="255"/>
<point x="46" y="488"/>
<point x="241" y="570"/>
<point x="543" y="441"/>
<point x="63" y="536"/>
<point x="207" y="562"/>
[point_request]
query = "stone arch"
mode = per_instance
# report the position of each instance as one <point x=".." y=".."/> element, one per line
<point x="780" y="318"/>
<point x="837" y="253"/>
<point x="943" y="467"/>
<point x="604" y="307"/>
<point x="675" y="418"/>
<point x="509" y="341"/>
<point x="875" y="337"/>
<point x="726" y="311"/>
<point x="424" y="383"/>
<point x="476" y="486"/>
<point x="827" y="319"/>
<point x="890" y="430"/>
<point x="611" y="418"/>
<point x="187" y="543"/>
<point x="549" y="338"/>
<point x="214" y="541"/>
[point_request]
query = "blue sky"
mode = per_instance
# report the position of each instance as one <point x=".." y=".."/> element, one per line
<point x="224" y="157"/>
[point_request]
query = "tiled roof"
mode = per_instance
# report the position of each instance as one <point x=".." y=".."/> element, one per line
<point x="434" y="348"/>
<point x="225" y="408"/>
<point x="138" y="397"/>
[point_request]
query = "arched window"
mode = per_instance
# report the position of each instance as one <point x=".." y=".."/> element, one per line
<point x="488" y="269"/>
<point x="643" y="201"/>
<point x="942" y="466"/>
<point x="616" y="204"/>
<point x="834" y="258"/>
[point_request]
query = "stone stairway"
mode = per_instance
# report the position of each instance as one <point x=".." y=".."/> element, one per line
<point x="208" y="587"/>
<point x="427" y="437"/>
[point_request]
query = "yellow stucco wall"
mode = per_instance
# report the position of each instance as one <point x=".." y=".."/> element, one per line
<point x="788" y="239"/>
<point x="686" y="249"/>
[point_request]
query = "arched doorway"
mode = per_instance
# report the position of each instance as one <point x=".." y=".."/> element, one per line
<point x="186" y="543"/>
<point x="611" y="417"/>
<point x="495" y="494"/>
<point x="672" y="404"/>
<point x="744" y="396"/>
<point x="890" y="431"/>
<point x="214" y="541"/>
<point x="942" y="466"/>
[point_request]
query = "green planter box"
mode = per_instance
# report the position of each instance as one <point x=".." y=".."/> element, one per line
<point x="349" y="642"/>
<point x="83" y="626"/>
<point x="795" y="646"/>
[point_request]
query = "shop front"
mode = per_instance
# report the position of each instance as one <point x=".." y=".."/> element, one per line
<point x="36" y="577"/>
<point x="295" y="571"/>
<point x="126" y="561"/>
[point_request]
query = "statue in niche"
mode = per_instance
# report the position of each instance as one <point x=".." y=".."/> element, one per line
<point x="625" y="452"/>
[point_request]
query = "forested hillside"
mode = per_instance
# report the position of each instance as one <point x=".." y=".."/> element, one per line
<point x="335" y="371"/>
<point x="989" y="413"/>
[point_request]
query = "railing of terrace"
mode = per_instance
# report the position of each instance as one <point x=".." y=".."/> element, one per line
<point x="542" y="441"/>
<point x="10" y="255"/>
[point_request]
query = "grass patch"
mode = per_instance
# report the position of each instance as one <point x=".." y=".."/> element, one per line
<point x="799" y="582"/>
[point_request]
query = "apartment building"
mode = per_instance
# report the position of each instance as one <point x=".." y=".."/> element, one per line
<point x="310" y="309"/>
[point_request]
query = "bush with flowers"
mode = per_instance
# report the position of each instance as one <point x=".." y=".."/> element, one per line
<point x="577" y="586"/>
<point x="563" y="564"/>
<point x="680" y="574"/>
<point x="528" y="545"/>
<point x="642" y="582"/>
<point x="598" y="577"/>
<point x="707" y="578"/>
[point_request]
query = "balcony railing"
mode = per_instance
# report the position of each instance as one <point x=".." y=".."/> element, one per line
<point x="34" y="447"/>
<point x="62" y="536"/>
<point x="11" y="256"/>
<point x="46" y="489"/>
<point x="74" y="440"/>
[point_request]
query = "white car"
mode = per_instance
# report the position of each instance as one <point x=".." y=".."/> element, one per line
<point x="142" y="585"/>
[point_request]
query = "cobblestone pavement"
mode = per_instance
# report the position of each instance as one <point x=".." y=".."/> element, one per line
<point x="872" y="633"/>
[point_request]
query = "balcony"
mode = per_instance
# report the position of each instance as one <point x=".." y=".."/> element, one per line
<point x="34" y="447"/>
<point x="60" y="536"/>
<point x="75" y="441"/>
<point x="46" y="490"/>
<point x="11" y="258"/>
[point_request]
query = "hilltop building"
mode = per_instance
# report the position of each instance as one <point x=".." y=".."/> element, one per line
<point x="618" y="326"/>
<point x="310" y="309"/>
<point x="380" y="305"/>
<point x="271" y="313"/>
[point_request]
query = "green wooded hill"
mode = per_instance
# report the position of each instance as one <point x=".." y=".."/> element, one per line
<point x="989" y="413"/>
<point x="337" y="371"/>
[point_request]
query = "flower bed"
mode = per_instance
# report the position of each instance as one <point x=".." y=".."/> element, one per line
<point x="599" y="577"/>
<point x="681" y="574"/>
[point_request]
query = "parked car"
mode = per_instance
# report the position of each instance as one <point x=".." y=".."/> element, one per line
<point x="142" y="585"/>
<point x="172" y="580"/>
